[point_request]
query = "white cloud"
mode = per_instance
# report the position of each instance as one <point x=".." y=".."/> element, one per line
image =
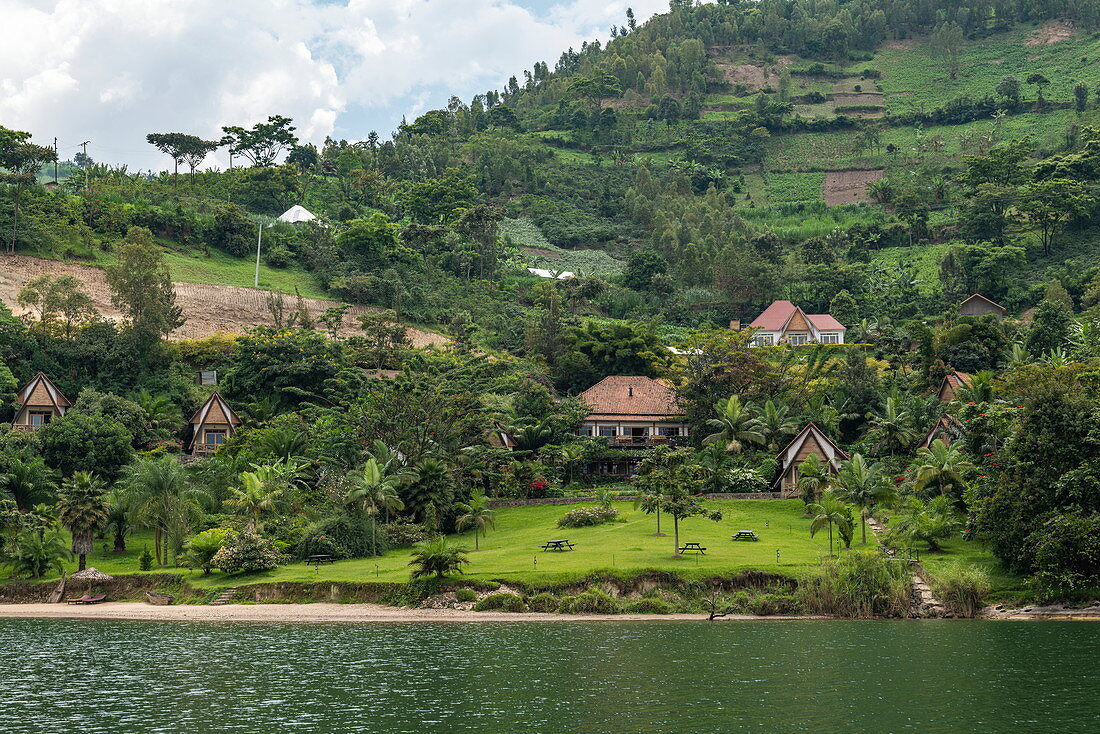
<point x="113" y="70"/>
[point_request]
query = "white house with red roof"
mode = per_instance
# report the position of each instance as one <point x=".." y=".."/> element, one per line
<point x="785" y="323"/>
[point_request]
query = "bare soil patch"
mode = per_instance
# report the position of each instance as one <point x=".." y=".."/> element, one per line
<point x="209" y="309"/>
<point x="859" y="99"/>
<point x="848" y="187"/>
<point x="1052" y="32"/>
<point x="537" y="252"/>
<point x="902" y="44"/>
<point x="752" y="76"/>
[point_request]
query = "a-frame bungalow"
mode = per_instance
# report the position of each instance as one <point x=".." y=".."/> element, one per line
<point x="979" y="305"/>
<point x="947" y="429"/>
<point x="212" y="425"/>
<point x="951" y="384"/>
<point x="811" y="441"/>
<point x="38" y="402"/>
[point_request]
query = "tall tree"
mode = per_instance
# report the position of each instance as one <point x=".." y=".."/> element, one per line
<point x="734" y="426"/>
<point x="20" y="162"/>
<point x="263" y="142"/>
<point x="161" y="498"/>
<point x="83" y="508"/>
<point x="475" y="514"/>
<point x="141" y="287"/>
<point x="860" y="483"/>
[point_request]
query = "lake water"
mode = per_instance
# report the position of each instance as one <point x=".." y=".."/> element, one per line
<point x="881" y="676"/>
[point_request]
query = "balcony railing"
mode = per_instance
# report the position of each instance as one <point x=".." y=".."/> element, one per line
<point x="25" y="427"/>
<point x="205" y="449"/>
<point x="642" y="441"/>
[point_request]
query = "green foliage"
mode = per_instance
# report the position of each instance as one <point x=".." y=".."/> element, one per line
<point x="961" y="589"/>
<point x="146" y="560"/>
<point x="437" y="558"/>
<point x="591" y="601"/>
<point x="465" y="595"/>
<point x="247" y="552"/>
<point x="34" y="555"/>
<point x="87" y="441"/>
<point x="1066" y="551"/>
<point x="343" y="536"/>
<point x="504" y="602"/>
<point x="543" y="602"/>
<point x="201" y="549"/>
<point x="583" y="517"/>
<point x="649" y="605"/>
<point x="857" y="585"/>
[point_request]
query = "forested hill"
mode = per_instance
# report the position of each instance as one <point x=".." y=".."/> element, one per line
<point x="877" y="160"/>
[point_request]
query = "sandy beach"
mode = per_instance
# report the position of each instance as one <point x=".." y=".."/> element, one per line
<point x="321" y="613"/>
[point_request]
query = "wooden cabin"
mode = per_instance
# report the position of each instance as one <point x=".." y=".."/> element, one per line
<point x="38" y="402"/>
<point x="947" y="429"/>
<point x="212" y="425"/>
<point x="951" y="384"/>
<point x="810" y="441"/>
<point x="979" y="305"/>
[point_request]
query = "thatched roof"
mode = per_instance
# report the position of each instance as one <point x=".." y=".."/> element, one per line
<point x="91" y="574"/>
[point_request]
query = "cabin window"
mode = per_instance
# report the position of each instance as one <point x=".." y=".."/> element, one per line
<point x="40" y="418"/>
<point x="797" y="339"/>
<point x="764" y="340"/>
<point x="830" y="338"/>
<point x="215" y="438"/>
<point x="607" y="431"/>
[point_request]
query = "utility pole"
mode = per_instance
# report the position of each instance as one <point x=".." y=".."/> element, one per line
<point x="55" y="159"/>
<point x="85" y="166"/>
<point x="259" y="238"/>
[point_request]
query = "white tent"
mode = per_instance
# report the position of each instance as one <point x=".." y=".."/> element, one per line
<point x="555" y="274"/>
<point x="297" y="214"/>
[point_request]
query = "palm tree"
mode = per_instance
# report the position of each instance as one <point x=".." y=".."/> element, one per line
<point x="570" y="455"/>
<point x="28" y="481"/>
<point x="374" y="491"/>
<point x="813" y="479"/>
<point x="160" y="411"/>
<point x="161" y="498"/>
<point x="33" y="553"/>
<point x="861" y="484"/>
<point x="829" y="511"/>
<point x="263" y="491"/>
<point x="476" y="512"/>
<point x="713" y="464"/>
<point x="437" y="557"/>
<point x="928" y="522"/>
<point x="941" y="465"/>
<point x="82" y="507"/>
<point x="733" y="426"/>
<point x="774" y="424"/>
<point x="892" y="429"/>
<point x="980" y="389"/>
<point x="118" y="518"/>
<point x="202" y="548"/>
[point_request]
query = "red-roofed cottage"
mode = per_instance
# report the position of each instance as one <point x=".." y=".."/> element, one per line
<point x="785" y="323"/>
<point x="951" y="384"/>
<point x="631" y="412"/>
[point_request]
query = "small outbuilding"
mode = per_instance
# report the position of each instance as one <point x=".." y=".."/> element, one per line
<point x="951" y="384"/>
<point x="811" y="441"/>
<point x="979" y="305"/>
<point x="38" y="402"/>
<point x="947" y="429"/>
<point x="212" y="425"/>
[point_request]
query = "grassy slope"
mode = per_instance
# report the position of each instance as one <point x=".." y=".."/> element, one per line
<point x="512" y="549"/>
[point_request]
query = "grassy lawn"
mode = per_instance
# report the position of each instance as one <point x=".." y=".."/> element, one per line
<point x="222" y="269"/>
<point x="1006" y="586"/>
<point x="512" y="551"/>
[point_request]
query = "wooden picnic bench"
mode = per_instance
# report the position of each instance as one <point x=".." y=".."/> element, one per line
<point x="693" y="548"/>
<point x="746" y="535"/>
<point x="558" y="545"/>
<point x="320" y="558"/>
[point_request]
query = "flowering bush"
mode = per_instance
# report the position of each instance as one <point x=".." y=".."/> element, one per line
<point x="583" y="517"/>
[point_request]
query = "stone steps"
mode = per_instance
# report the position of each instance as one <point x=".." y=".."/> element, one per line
<point x="224" y="598"/>
<point x="925" y="603"/>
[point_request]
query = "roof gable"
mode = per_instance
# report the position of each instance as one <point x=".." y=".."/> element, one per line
<point x="215" y="410"/>
<point x="819" y="440"/>
<point x="41" y="391"/>
<point x="775" y="316"/>
<point x="632" y="396"/>
<point x="982" y="299"/>
<point x="784" y="315"/>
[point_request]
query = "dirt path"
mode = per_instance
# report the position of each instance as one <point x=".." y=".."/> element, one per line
<point x="321" y="612"/>
<point x="209" y="309"/>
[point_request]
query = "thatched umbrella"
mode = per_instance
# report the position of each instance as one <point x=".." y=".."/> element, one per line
<point x="91" y="574"/>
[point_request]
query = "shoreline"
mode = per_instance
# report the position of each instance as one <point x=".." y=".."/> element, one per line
<point x="323" y="613"/>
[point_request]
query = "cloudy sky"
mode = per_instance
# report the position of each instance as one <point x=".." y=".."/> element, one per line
<point x="110" y="71"/>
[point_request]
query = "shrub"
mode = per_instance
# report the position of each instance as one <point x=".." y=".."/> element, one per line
<point x="857" y="585"/>
<point x="961" y="589"/>
<point x="465" y="595"/>
<point x="342" y="536"/>
<point x="768" y="603"/>
<point x="201" y="549"/>
<point x="505" y="602"/>
<point x="1066" y="552"/>
<point x="404" y="534"/>
<point x="544" y="603"/>
<point x="247" y="552"/>
<point x="145" y="560"/>
<point x="593" y="601"/>
<point x="439" y="558"/>
<point x="649" y="606"/>
<point x="583" y="517"/>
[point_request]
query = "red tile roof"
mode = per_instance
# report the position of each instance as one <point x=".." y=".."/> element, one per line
<point x="776" y="316"/>
<point x="630" y="396"/>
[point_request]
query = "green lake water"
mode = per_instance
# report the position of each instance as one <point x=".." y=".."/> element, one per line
<point x="99" y="677"/>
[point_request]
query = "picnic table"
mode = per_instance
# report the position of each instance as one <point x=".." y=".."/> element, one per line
<point x="320" y="558"/>
<point x="558" y="545"/>
<point x="693" y="548"/>
<point x="746" y="535"/>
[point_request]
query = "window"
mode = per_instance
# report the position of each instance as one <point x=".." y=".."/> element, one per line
<point x="797" y="339"/>
<point x="40" y="418"/>
<point x="638" y="432"/>
<point x="584" y="431"/>
<point x="668" y="431"/>
<point x="830" y="338"/>
<point x="607" y="431"/>
<point x="764" y="340"/>
<point x="215" y="438"/>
